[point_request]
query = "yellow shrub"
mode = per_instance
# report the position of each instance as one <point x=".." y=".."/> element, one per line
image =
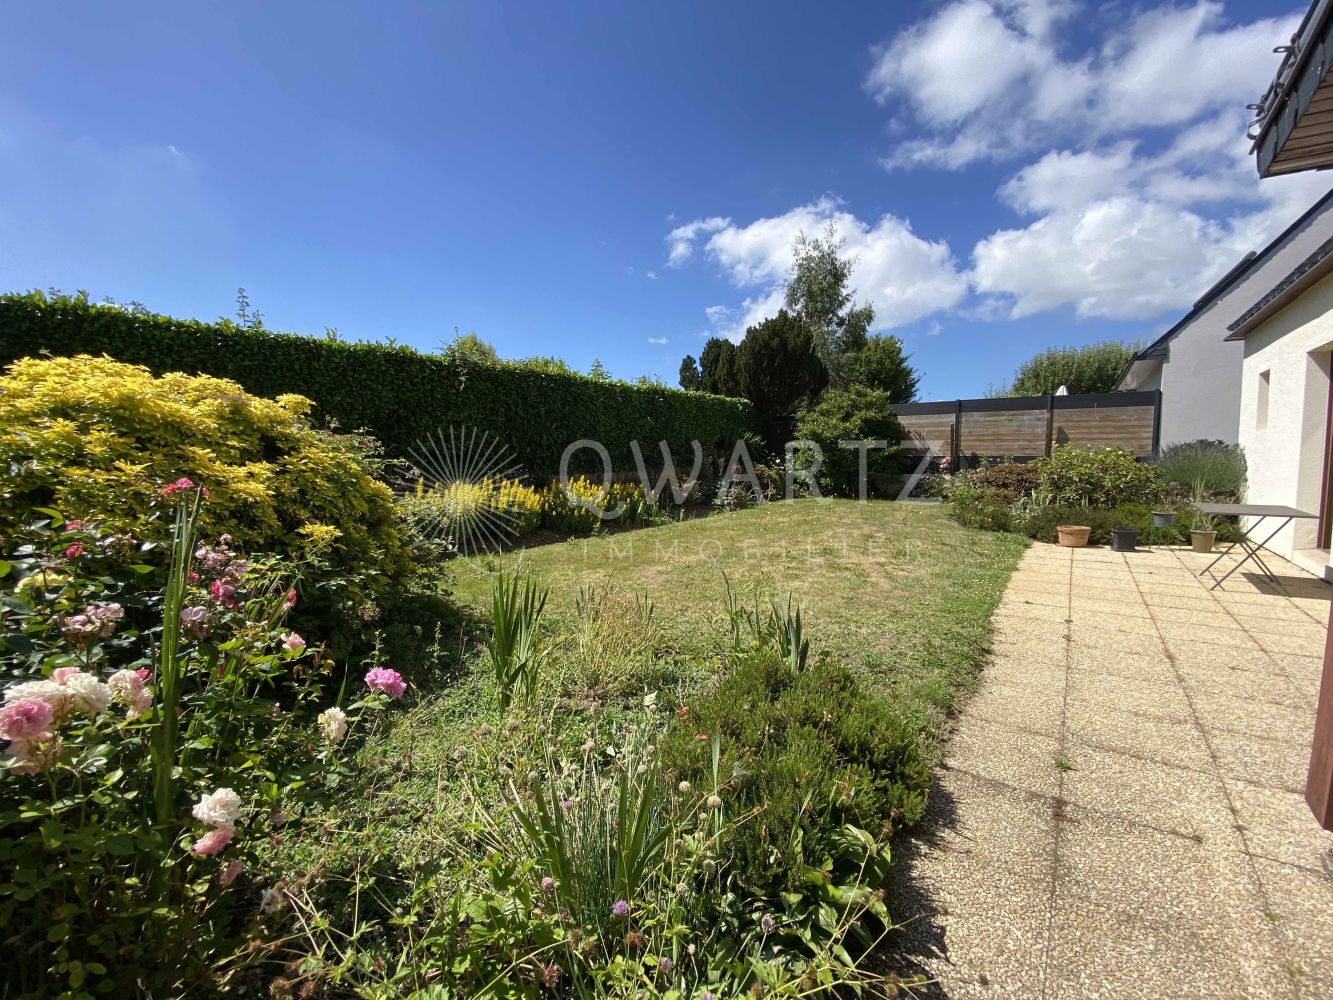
<point x="97" y="439"/>
<point x="483" y="512"/>
<point x="577" y="509"/>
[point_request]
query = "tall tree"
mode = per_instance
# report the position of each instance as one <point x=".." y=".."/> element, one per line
<point x="777" y="367"/>
<point x="689" y="374"/>
<point x="470" y="347"/>
<point x="717" y="368"/>
<point x="818" y="293"/>
<point x="881" y="364"/>
<point x="1091" y="368"/>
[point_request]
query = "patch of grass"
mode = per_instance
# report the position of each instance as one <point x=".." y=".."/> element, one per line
<point x="1064" y="764"/>
<point x="897" y="591"/>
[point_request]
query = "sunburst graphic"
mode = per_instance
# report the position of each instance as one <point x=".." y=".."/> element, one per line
<point x="456" y="480"/>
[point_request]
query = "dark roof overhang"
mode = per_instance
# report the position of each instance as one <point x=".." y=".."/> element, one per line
<point x="1316" y="266"/>
<point x="1293" y="123"/>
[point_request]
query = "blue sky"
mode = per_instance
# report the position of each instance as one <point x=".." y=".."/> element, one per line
<point x="619" y="181"/>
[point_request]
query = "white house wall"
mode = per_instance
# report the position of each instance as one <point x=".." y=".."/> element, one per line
<point x="1285" y="447"/>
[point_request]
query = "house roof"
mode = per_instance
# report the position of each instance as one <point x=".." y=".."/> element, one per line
<point x="1158" y="351"/>
<point x="1281" y="295"/>
<point x="1293" y="125"/>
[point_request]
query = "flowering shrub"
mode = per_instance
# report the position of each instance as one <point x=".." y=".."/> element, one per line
<point x="576" y="509"/>
<point x="154" y="739"/>
<point x="492" y="506"/>
<point x="96" y="439"/>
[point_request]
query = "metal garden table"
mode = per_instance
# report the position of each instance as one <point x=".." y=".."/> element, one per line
<point x="1261" y="511"/>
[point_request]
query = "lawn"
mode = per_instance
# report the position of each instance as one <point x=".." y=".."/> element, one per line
<point x="896" y="590"/>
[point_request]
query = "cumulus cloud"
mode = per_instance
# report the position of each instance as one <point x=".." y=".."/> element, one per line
<point x="681" y="240"/>
<point x="1163" y="68"/>
<point x="904" y="276"/>
<point x="1138" y="192"/>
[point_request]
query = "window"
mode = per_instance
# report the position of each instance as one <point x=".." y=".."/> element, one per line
<point x="1261" y="407"/>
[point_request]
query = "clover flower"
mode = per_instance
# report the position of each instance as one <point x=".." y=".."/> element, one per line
<point x="683" y="787"/>
<point x="714" y="802"/>
<point x="388" y="681"/>
<point x="620" y="908"/>
<point x="548" y="884"/>
<point x="767" y="924"/>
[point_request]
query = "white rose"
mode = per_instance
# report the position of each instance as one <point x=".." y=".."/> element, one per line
<point x="90" y="695"/>
<point x="219" y="809"/>
<point x="125" y="686"/>
<point x="334" y="723"/>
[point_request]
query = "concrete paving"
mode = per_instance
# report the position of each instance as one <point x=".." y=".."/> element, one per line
<point x="1121" y="812"/>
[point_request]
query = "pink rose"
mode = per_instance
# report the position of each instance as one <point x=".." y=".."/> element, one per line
<point x="289" y="599"/>
<point x="388" y="681"/>
<point x="28" y="719"/>
<point x="222" y="593"/>
<point x="144" y="673"/>
<point x="61" y="674"/>
<point x="229" y="873"/>
<point x="32" y="756"/>
<point x="74" y="525"/>
<point x="293" y="643"/>
<point x="212" y="843"/>
<point x="75" y="550"/>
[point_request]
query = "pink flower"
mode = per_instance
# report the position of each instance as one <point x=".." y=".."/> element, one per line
<point x="293" y="643"/>
<point x="29" y="719"/>
<point x="212" y="843"/>
<point x="195" y="622"/>
<point x="389" y="681"/>
<point x="181" y="485"/>
<point x="32" y="756"/>
<point x="143" y="701"/>
<point x="75" y="550"/>
<point x="229" y="873"/>
<point x="289" y="599"/>
<point x="222" y="593"/>
<point x="144" y="673"/>
<point x="62" y="674"/>
<point x="73" y="525"/>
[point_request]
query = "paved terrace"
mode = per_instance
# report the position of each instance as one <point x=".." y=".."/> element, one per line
<point x="1121" y="812"/>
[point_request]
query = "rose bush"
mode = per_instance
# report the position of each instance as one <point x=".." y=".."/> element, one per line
<point x="154" y="739"/>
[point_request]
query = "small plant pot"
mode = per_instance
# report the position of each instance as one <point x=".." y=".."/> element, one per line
<point x="1124" y="539"/>
<point x="1073" y="536"/>
<point x="1202" y="541"/>
<point x="1163" y="518"/>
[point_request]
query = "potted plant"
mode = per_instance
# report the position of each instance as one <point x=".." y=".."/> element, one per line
<point x="1203" y="532"/>
<point x="1163" y="518"/>
<point x="1073" y="536"/>
<point x="1124" y="539"/>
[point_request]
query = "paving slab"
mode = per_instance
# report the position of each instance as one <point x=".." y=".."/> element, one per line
<point x="1120" y="813"/>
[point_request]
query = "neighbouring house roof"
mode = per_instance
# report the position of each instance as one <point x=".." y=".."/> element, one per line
<point x="1143" y="363"/>
<point x="1281" y="295"/>
<point x="1293" y="123"/>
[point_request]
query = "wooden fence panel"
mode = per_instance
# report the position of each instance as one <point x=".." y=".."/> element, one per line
<point x="980" y="430"/>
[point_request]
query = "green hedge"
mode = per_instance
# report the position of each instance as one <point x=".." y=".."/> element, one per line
<point x="398" y="394"/>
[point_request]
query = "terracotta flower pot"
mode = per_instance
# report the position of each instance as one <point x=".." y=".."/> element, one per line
<point x="1073" y="536"/>
<point x="1202" y="541"/>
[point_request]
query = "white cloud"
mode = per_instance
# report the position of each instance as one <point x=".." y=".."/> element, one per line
<point x="1163" y="68"/>
<point x="680" y="241"/>
<point x="650" y="275"/>
<point x="659" y="341"/>
<point x="904" y="276"/>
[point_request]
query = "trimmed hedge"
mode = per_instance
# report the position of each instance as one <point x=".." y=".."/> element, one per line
<point x="398" y="394"/>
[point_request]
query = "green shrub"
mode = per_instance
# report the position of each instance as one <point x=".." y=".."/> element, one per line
<point x="1215" y="466"/>
<point x="394" y="392"/>
<point x="99" y="439"/>
<point x="1018" y="478"/>
<point x="1102" y="477"/>
<point x="853" y="414"/>
<point x="979" y="507"/>
<point x="810" y="751"/>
